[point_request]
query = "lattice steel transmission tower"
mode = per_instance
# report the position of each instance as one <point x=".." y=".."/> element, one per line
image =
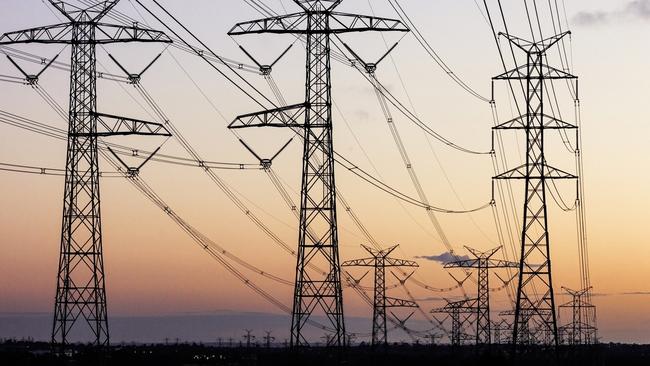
<point x="483" y="262"/>
<point x="535" y="299"/>
<point x="379" y="261"/>
<point x="268" y="338"/>
<point x="461" y="314"/>
<point x="579" y="331"/>
<point x="318" y="236"/>
<point x="249" y="337"/>
<point x="81" y="290"/>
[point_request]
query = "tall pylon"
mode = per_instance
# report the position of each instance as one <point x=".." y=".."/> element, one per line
<point x="81" y="292"/>
<point x="483" y="262"/>
<point x="535" y="299"/>
<point x="318" y="234"/>
<point x="379" y="261"/>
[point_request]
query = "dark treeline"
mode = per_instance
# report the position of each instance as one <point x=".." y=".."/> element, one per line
<point x="25" y="353"/>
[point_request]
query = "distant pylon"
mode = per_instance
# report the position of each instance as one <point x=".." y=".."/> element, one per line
<point x="579" y="331"/>
<point x="268" y="339"/>
<point x="248" y="337"/>
<point x="81" y="292"/>
<point x="379" y="261"/>
<point x="318" y="233"/>
<point x="431" y="337"/>
<point x="461" y="313"/>
<point x="483" y="262"/>
<point x="535" y="299"/>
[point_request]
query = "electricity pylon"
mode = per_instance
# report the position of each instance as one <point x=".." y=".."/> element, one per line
<point x="81" y="289"/>
<point x="461" y="313"/>
<point x="535" y="299"/>
<point x="579" y="331"/>
<point x="318" y="235"/>
<point x="379" y="261"/>
<point x="268" y="338"/>
<point x="249" y="337"/>
<point x="483" y="262"/>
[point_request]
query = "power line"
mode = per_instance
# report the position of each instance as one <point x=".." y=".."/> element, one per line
<point x="432" y="53"/>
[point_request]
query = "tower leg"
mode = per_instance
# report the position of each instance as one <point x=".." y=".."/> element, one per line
<point x="80" y="293"/>
<point x="318" y="236"/>
<point x="535" y="299"/>
<point x="379" y="330"/>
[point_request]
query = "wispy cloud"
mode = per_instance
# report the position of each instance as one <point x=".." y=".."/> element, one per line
<point x="642" y="293"/>
<point x="442" y="258"/>
<point x="635" y="9"/>
<point x="628" y="293"/>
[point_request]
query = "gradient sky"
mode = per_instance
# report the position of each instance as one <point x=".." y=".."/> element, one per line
<point x="153" y="268"/>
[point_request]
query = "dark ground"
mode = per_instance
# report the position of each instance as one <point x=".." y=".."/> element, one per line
<point x="33" y="353"/>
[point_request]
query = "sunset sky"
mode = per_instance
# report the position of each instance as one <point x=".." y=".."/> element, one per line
<point x="154" y="269"/>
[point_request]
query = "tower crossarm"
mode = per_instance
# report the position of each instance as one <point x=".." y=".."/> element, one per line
<point x="392" y="302"/>
<point x="462" y="306"/>
<point x="549" y="123"/>
<point x="393" y="262"/>
<point x="498" y="263"/>
<point x="121" y="126"/>
<point x="534" y="47"/>
<point x="576" y="293"/>
<point x="297" y="23"/>
<point x="111" y="33"/>
<point x="468" y="263"/>
<point x="577" y="302"/>
<point x="57" y="33"/>
<point x="104" y="33"/>
<point x="75" y="13"/>
<point x="379" y="253"/>
<point x="98" y="11"/>
<point x="364" y="262"/>
<point x="290" y="23"/>
<point x="549" y="173"/>
<point x="363" y="23"/>
<point x="545" y="72"/>
<point x="288" y="116"/>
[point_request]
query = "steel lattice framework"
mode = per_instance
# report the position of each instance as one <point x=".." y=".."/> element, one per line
<point x="483" y="262"/>
<point x="379" y="261"/>
<point x="535" y="299"/>
<point x="461" y="313"/>
<point x="579" y="331"/>
<point x="318" y="237"/>
<point x="80" y="292"/>
<point x="499" y="328"/>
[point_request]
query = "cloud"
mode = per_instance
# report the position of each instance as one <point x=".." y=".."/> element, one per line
<point x="630" y="293"/>
<point x="442" y="258"/>
<point x="635" y="9"/>
<point x="642" y="293"/>
<point x="590" y="18"/>
<point x="361" y="114"/>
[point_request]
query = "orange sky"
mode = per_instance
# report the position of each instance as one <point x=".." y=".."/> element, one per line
<point x="154" y="268"/>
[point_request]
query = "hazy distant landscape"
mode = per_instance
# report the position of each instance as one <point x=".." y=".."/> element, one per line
<point x="200" y="328"/>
